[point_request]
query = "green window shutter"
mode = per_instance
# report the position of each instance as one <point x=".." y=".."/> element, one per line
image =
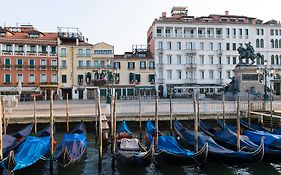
<point x="31" y="62"/>
<point x="8" y="78"/>
<point x="130" y="91"/>
<point x="138" y="77"/>
<point x="103" y="92"/>
<point x="131" y="77"/>
<point x="151" y="77"/>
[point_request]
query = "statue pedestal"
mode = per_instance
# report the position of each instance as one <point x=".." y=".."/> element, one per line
<point x="247" y="79"/>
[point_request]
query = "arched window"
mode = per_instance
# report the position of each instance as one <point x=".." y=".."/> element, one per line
<point x="276" y="43"/>
<point x="276" y="59"/>
<point x="272" y="59"/>
<point x="257" y="43"/>
<point x="258" y="60"/>
<point x="272" y="43"/>
<point x="280" y="43"/>
<point x="262" y="59"/>
<point x="262" y="43"/>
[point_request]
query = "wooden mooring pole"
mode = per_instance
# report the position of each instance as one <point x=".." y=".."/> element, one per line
<point x="67" y="114"/>
<point x="249" y="109"/>
<point x="238" y="123"/>
<point x="4" y="115"/>
<point x="171" y="112"/>
<point x="52" y="130"/>
<point x="156" y="121"/>
<point x="271" y="112"/>
<point x="34" y="114"/>
<point x="1" y="132"/>
<point x="96" y="115"/>
<point x="114" y="131"/>
<point x="100" y="128"/>
<point x="195" y="108"/>
<point x="111" y="124"/>
<point x="223" y="109"/>
<point x="140" y="120"/>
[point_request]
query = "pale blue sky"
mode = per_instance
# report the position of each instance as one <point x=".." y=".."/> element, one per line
<point x="122" y="22"/>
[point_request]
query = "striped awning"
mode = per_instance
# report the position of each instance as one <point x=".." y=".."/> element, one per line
<point x="23" y="89"/>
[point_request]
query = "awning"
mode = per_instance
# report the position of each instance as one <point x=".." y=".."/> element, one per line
<point x="23" y="89"/>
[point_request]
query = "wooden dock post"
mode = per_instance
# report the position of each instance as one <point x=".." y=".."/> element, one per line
<point x="195" y="108"/>
<point x="67" y="114"/>
<point x="249" y="109"/>
<point x="34" y="114"/>
<point x="171" y="112"/>
<point x="114" y="126"/>
<point x="238" y="123"/>
<point x="223" y="109"/>
<point x="100" y="128"/>
<point x="51" y="130"/>
<point x="156" y="121"/>
<point x="140" y="120"/>
<point x="96" y="115"/>
<point x="271" y="112"/>
<point x="111" y="123"/>
<point x="1" y="132"/>
<point x="4" y="115"/>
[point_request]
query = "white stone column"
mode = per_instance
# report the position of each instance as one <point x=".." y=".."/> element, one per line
<point x="13" y="49"/>
<point x="85" y="94"/>
<point x="25" y="50"/>
<point x="48" y="50"/>
<point x="45" y="96"/>
<point x="75" y="93"/>
<point x="37" y="49"/>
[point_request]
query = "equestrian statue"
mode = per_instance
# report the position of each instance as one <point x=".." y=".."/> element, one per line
<point x="249" y="53"/>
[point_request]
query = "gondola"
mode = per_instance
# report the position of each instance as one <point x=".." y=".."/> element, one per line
<point x="30" y="152"/>
<point x="246" y="125"/>
<point x="129" y="149"/>
<point x="217" y="152"/>
<point x="270" y="155"/>
<point x="72" y="148"/>
<point x="169" y="151"/>
<point x="11" y="142"/>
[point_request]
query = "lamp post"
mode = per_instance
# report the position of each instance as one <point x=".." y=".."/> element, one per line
<point x="264" y="74"/>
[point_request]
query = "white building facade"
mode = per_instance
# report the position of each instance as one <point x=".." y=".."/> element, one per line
<point x="202" y="52"/>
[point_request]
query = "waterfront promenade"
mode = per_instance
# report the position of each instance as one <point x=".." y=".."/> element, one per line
<point x="129" y="109"/>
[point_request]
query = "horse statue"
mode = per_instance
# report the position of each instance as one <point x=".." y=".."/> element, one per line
<point x="249" y="52"/>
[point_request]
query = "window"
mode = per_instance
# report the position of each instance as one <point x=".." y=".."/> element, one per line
<point x="151" y="65"/>
<point x="234" y="60"/>
<point x="169" y="45"/>
<point x="8" y="48"/>
<point x="178" y="59"/>
<point x="227" y="46"/>
<point x="202" y="74"/>
<point x="246" y="32"/>
<point x="272" y="59"/>
<point x="54" y="78"/>
<point x="202" y="59"/>
<point x="211" y="74"/>
<point x="80" y="63"/>
<point x="211" y="59"/>
<point x="233" y="46"/>
<point x="64" y="78"/>
<point x="190" y="45"/>
<point x="227" y="32"/>
<point x="234" y="32"/>
<point x="220" y="60"/>
<point x="179" y="45"/>
<point x="272" y="43"/>
<point x="19" y="78"/>
<point x="277" y="60"/>
<point x="276" y="43"/>
<point x="138" y="78"/>
<point x="276" y="32"/>
<point x="54" y="50"/>
<point x="151" y="78"/>
<point x="43" y="64"/>
<point x="220" y="74"/>
<point x="31" y="64"/>
<point x="131" y="65"/>
<point x="179" y="74"/>
<point x="219" y="46"/>
<point x="88" y="63"/>
<point x="169" y="59"/>
<point x="63" y="52"/>
<point x="43" y="78"/>
<point x="43" y="49"/>
<point x="228" y="60"/>
<point x="201" y="45"/>
<point x="257" y="43"/>
<point x="7" y="61"/>
<point x="160" y="59"/>
<point x="169" y="74"/>
<point x="160" y="45"/>
<point x="142" y="65"/>
<point x="32" y="49"/>
<point x="228" y="74"/>
<point x="80" y="79"/>
<point x="211" y="46"/>
<point x="240" y="32"/>
<point x="258" y="31"/>
<point x="21" y="48"/>
<point x="31" y="78"/>
<point x="7" y="78"/>
<point x="88" y="52"/>
<point x="96" y="64"/>
<point x="63" y="64"/>
<point x="103" y="52"/>
<point x="117" y="65"/>
<point x="80" y="52"/>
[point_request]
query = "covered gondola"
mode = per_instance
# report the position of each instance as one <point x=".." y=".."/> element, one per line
<point x="169" y="151"/>
<point x="73" y="147"/>
<point x="216" y="151"/>
<point x="30" y="152"/>
<point x="129" y="149"/>
<point x="270" y="155"/>
<point x="11" y="142"/>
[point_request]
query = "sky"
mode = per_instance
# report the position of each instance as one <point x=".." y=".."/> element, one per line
<point x="121" y="23"/>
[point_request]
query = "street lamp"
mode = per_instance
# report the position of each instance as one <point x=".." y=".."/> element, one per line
<point x="264" y="74"/>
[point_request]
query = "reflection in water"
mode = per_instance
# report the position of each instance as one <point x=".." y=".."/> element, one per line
<point x="89" y="165"/>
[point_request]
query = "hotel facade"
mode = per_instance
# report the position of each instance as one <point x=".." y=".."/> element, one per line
<point x="201" y="52"/>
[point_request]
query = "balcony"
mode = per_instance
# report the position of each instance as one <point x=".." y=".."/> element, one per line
<point x="160" y="80"/>
<point x="189" y="35"/>
<point x="19" y="52"/>
<point x="220" y="66"/>
<point x="219" y="52"/>
<point x="190" y="66"/>
<point x="168" y="35"/>
<point x="7" y="52"/>
<point x="178" y="35"/>
<point x="7" y="67"/>
<point x="160" y="35"/>
<point x="19" y="67"/>
<point x="33" y="53"/>
<point x="31" y="67"/>
<point x="54" y="54"/>
<point x="210" y="36"/>
<point x="219" y="36"/>
<point x="190" y="51"/>
<point x="43" y="53"/>
<point x="43" y="67"/>
<point x="54" y="67"/>
<point x="201" y="36"/>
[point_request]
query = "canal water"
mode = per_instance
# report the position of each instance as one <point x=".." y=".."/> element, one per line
<point x="89" y="165"/>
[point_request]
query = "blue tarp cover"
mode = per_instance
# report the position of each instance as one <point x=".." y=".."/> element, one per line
<point x="124" y="128"/>
<point x="31" y="151"/>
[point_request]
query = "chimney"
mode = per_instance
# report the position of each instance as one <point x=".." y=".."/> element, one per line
<point x="77" y="41"/>
<point x="226" y="13"/>
<point x="164" y="14"/>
